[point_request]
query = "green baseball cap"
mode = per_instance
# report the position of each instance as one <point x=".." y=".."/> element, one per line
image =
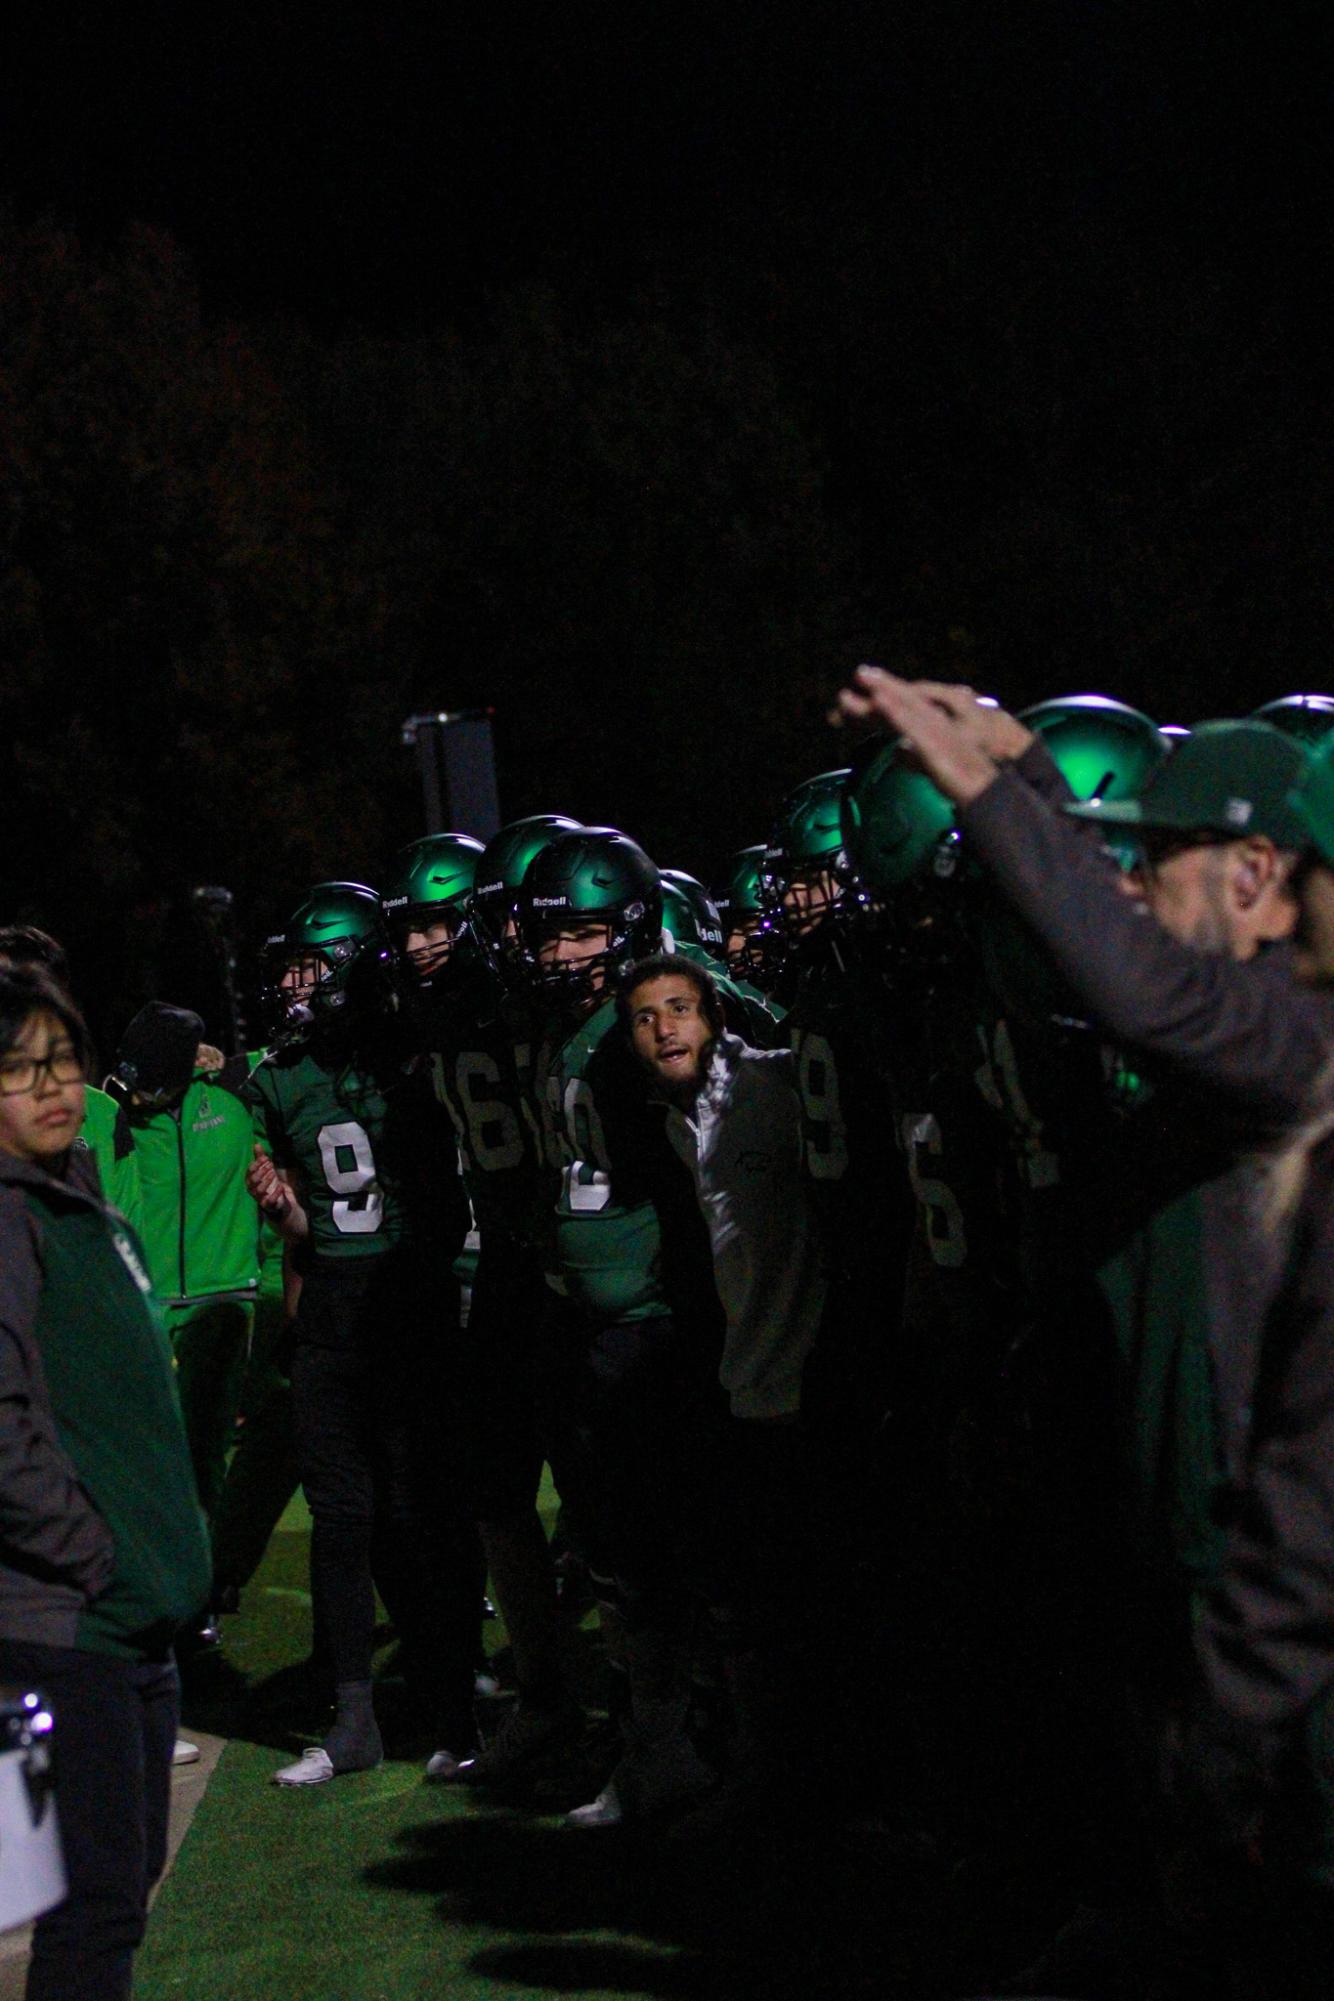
<point x="1226" y="778"/>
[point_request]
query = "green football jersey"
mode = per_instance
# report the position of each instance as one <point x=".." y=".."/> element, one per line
<point x="606" y="1250"/>
<point x="481" y="1065"/>
<point x="855" y="1174"/>
<point x="365" y="1141"/>
<point x="959" y="1292"/>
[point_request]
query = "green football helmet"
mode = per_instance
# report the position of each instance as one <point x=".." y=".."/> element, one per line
<point x="895" y="823"/>
<point x="738" y="895"/>
<point x="805" y="871"/>
<point x="1104" y="749"/>
<point x="330" y="959"/>
<point x="689" y="914"/>
<point x="593" y="879"/>
<point x="430" y="882"/>
<point x="740" y="903"/>
<point x="500" y="871"/>
<point x="1310" y="717"/>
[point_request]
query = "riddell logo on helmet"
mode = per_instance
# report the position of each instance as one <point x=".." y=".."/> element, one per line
<point x="394" y="902"/>
<point x="489" y="888"/>
<point x="551" y="903"/>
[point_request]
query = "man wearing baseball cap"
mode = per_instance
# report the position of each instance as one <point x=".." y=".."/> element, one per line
<point x="1250" y="1039"/>
<point x="1215" y="1283"/>
<point x="1218" y="834"/>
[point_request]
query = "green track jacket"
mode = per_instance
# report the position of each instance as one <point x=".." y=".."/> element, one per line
<point x="200" y="1227"/>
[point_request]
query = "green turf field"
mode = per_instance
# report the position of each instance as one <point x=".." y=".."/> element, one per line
<point x="379" y="1888"/>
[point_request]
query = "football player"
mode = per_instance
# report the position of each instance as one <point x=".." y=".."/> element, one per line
<point x="590" y="904"/>
<point x="749" y="946"/>
<point x="831" y="1026"/>
<point x="355" y="1167"/>
<point x="425" y="902"/>
<point x="477" y="1025"/>
<point x="941" y="1324"/>
<point x="1061" y="1091"/>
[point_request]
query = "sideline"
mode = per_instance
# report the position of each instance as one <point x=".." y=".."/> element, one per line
<point x="189" y="1783"/>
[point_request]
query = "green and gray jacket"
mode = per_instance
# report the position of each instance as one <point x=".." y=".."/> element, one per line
<point x="102" y="1545"/>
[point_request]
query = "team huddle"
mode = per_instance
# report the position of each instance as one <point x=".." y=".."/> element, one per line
<point x="924" y="1231"/>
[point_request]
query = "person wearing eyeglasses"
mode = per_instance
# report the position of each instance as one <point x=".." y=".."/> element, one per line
<point x="102" y="1546"/>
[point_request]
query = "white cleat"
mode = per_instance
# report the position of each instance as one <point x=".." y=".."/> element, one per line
<point x="312" y="1768"/>
<point x="649" y="1779"/>
<point x="605" y="1811"/>
<point x="184" y="1752"/>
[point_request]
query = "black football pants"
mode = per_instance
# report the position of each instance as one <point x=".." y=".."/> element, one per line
<point x="383" y="1477"/>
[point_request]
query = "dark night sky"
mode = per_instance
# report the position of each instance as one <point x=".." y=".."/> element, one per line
<point x="378" y="163"/>
<point x="1033" y="280"/>
<point x="392" y="167"/>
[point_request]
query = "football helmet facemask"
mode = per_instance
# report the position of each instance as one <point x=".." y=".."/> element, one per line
<point x="330" y="961"/>
<point x="500" y="870"/>
<point x="902" y="859"/>
<point x="805" y="872"/>
<point x="590" y="904"/>
<point x="752" y="951"/>
<point x="430" y="883"/>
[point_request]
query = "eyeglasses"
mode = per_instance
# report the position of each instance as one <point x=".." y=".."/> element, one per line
<point x="63" y="1065"/>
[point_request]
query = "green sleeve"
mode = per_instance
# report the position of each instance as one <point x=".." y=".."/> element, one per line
<point x="105" y="1134"/>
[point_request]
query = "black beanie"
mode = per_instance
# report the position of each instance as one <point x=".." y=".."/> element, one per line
<point x="156" y="1056"/>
